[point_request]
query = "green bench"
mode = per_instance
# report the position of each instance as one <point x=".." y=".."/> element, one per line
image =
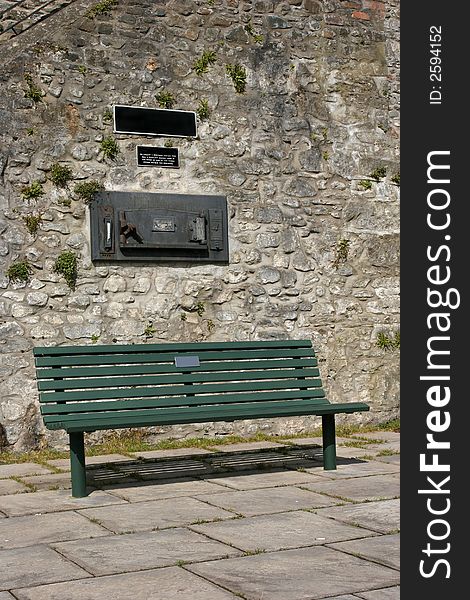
<point x="87" y="388"/>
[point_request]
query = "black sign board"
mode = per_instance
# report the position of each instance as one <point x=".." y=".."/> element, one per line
<point x="155" y="156"/>
<point x="154" y="121"/>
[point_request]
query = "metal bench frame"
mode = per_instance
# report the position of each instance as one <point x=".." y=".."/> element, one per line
<point x="89" y="388"/>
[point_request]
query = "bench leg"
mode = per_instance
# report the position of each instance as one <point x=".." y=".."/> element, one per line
<point x="329" y="442"/>
<point x="77" y="464"/>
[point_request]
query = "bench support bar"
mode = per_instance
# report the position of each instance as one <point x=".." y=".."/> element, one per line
<point x="329" y="442"/>
<point x="77" y="464"/>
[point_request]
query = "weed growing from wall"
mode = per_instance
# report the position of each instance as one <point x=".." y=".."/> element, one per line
<point x="19" y="271"/>
<point x="32" y="191"/>
<point x="101" y="8"/>
<point x="396" y="179"/>
<point x="342" y="251"/>
<point x="203" y="110"/>
<point x="33" y="92"/>
<point x="366" y="184"/>
<point x="165" y="99"/>
<point x="66" y="265"/>
<point x="378" y="173"/>
<point x="32" y="223"/>
<point x="386" y="342"/>
<point x="202" y="64"/>
<point x="110" y="148"/>
<point x="85" y="191"/>
<point x="60" y="175"/>
<point x="237" y="74"/>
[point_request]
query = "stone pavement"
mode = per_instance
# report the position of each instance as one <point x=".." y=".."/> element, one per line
<point x="256" y="521"/>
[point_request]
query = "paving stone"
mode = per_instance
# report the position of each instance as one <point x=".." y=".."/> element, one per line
<point x="246" y="447"/>
<point x="52" y="501"/>
<point x="166" y="488"/>
<point x="350" y="452"/>
<point x="255" y="460"/>
<point x="359" y="489"/>
<point x="64" y="463"/>
<point x="260" y="479"/>
<point x="20" y="469"/>
<point x="383" y="516"/>
<point x="384" y="549"/>
<point x="6" y="596"/>
<point x="355" y="468"/>
<point x="141" y="551"/>
<point x="386" y="436"/>
<point x="52" y="527"/>
<point x="171" y="583"/>
<point x="147" y="470"/>
<point x="35" y="565"/>
<point x="269" y="500"/>
<point x="393" y="459"/>
<point x="391" y="593"/>
<point x="314" y="441"/>
<point x="392" y="446"/>
<point x="175" y="452"/>
<point x="49" y="482"/>
<point x="10" y="486"/>
<point x="280" y="531"/>
<point x="145" y="516"/>
<point x="318" y="572"/>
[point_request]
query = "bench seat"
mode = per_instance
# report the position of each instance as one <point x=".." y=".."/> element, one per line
<point x="89" y="388"/>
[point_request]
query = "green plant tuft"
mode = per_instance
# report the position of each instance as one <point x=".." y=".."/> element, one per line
<point x="203" y="110"/>
<point x="107" y="115"/>
<point x="378" y="173"/>
<point x="258" y="38"/>
<point x="82" y="69"/>
<point x="32" y="191"/>
<point x="101" y="8"/>
<point x="66" y="265"/>
<point x="149" y="330"/>
<point x="342" y="251"/>
<point x="19" y="271"/>
<point x="386" y="342"/>
<point x="86" y="190"/>
<point x="32" y="223"/>
<point x="200" y="308"/>
<point x="326" y="155"/>
<point x="168" y="144"/>
<point x="33" y="92"/>
<point x="30" y="131"/>
<point x="202" y="64"/>
<point x="165" y="99"/>
<point x="237" y="73"/>
<point x="60" y="175"/>
<point x="366" y="184"/>
<point x="109" y="147"/>
<point x="396" y="179"/>
<point x="94" y="338"/>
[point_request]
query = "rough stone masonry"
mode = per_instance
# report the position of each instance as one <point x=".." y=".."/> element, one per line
<point x="307" y="155"/>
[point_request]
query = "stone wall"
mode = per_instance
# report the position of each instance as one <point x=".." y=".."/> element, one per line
<point x="314" y="237"/>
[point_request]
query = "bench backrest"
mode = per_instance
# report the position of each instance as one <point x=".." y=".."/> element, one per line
<point x="77" y="380"/>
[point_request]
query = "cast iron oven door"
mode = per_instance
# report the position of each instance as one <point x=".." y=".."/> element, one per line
<point x="159" y="227"/>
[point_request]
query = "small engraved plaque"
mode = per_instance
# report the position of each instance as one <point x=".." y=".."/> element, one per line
<point x="164" y="224"/>
<point x="156" y="156"/>
<point x="187" y="361"/>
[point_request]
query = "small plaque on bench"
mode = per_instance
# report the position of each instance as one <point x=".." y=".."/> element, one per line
<point x="187" y="361"/>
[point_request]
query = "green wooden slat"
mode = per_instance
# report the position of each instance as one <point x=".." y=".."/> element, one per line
<point x="175" y="379"/>
<point x="59" y="361"/>
<point x="316" y="395"/>
<point x="172" y="347"/>
<point x="171" y="368"/>
<point x="169" y="416"/>
<point x="102" y="394"/>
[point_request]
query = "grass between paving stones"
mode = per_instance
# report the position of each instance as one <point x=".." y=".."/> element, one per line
<point x="135" y="441"/>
